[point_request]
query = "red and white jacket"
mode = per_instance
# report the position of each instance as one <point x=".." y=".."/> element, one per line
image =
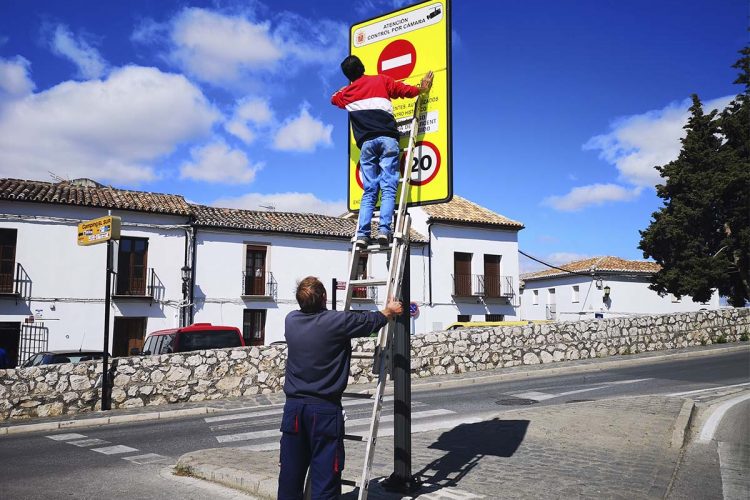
<point x="368" y="101"/>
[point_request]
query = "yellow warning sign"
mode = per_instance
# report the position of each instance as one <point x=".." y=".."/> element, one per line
<point x="99" y="230"/>
<point x="405" y="45"/>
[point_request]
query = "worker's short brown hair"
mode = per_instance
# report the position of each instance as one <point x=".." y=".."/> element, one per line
<point x="311" y="295"/>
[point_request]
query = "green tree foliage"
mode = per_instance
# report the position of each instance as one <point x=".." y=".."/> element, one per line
<point x="701" y="236"/>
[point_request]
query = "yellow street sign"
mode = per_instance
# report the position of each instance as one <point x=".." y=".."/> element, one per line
<point x="99" y="230"/>
<point x="406" y="44"/>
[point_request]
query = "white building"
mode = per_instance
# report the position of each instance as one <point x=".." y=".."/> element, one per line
<point x="599" y="287"/>
<point x="179" y="263"/>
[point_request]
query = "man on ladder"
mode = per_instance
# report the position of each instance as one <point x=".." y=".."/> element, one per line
<point x="368" y="100"/>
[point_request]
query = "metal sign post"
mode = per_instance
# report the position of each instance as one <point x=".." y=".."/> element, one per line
<point x="93" y="232"/>
<point x="402" y="479"/>
<point x="106" y="393"/>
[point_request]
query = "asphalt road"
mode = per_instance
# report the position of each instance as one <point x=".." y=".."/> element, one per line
<point x="131" y="460"/>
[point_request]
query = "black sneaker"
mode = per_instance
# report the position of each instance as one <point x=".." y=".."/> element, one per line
<point x="362" y="241"/>
<point x="383" y="239"/>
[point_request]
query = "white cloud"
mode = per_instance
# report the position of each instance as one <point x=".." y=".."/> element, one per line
<point x="303" y="133"/>
<point x="14" y="78"/>
<point x="591" y="195"/>
<point x="112" y="129"/>
<point x="217" y="162"/>
<point x="217" y="48"/>
<point x="284" y="202"/>
<point x="87" y="59"/>
<point x="638" y="143"/>
<point x="254" y="112"/>
<point x="234" y="50"/>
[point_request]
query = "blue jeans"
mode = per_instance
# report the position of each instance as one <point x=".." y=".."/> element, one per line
<point x="378" y="160"/>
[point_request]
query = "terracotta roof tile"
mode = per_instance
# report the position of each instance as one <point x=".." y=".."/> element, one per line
<point x="285" y="222"/>
<point x="462" y="210"/>
<point x="64" y="193"/>
<point x="602" y="265"/>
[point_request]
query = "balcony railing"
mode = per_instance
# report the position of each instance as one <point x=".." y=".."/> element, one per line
<point x="259" y="286"/>
<point x="481" y="285"/>
<point x="147" y="284"/>
<point x="17" y="284"/>
<point x="365" y="293"/>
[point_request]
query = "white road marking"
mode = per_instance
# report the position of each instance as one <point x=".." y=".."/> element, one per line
<point x="698" y="391"/>
<point x="114" y="450"/>
<point x="709" y="428"/>
<point x="387" y="431"/>
<point x="66" y="437"/>
<point x="148" y="458"/>
<point x="246" y="436"/>
<point x="543" y="396"/>
<point x="81" y="443"/>
<point x="279" y="411"/>
<point x="395" y="62"/>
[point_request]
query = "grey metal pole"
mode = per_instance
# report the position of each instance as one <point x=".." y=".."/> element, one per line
<point x="334" y="285"/>
<point x="106" y="400"/>
<point x="402" y="480"/>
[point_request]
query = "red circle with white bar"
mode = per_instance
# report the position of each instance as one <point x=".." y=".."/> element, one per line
<point x="397" y="59"/>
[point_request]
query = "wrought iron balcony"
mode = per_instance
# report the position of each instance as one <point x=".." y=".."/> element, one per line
<point x="146" y="284"/>
<point x="17" y="284"/>
<point x="365" y="293"/>
<point x="259" y="285"/>
<point x="481" y="285"/>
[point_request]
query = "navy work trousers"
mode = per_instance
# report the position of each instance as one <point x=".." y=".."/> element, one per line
<point x="312" y="436"/>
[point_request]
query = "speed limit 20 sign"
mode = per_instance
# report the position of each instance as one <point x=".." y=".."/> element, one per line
<point x="405" y="44"/>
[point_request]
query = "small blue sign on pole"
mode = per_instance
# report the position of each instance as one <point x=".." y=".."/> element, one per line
<point x="413" y="309"/>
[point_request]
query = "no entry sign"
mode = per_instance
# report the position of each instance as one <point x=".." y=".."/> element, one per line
<point x="397" y="59"/>
<point x="405" y="45"/>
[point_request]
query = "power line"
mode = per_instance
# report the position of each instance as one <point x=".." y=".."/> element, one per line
<point x="553" y="267"/>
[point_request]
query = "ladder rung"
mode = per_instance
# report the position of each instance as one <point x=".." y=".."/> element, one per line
<point x="354" y="437"/>
<point x="368" y="282"/>
<point x="358" y="395"/>
<point x="377" y="248"/>
<point x="349" y="482"/>
<point x="363" y="354"/>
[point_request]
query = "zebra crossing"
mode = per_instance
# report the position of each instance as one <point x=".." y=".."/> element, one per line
<point x="98" y="446"/>
<point x="258" y="430"/>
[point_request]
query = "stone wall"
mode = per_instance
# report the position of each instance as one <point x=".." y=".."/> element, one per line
<point x="225" y="373"/>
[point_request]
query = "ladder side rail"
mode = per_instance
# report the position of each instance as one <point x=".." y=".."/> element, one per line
<point x="353" y="260"/>
<point x="364" y="482"/>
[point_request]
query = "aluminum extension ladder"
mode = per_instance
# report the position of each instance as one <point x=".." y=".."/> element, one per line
<point x="398" y="254"/>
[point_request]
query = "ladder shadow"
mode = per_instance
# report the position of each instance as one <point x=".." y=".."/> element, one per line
<point x="466" y="445"/>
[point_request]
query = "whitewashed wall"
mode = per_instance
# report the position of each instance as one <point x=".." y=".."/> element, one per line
<point x="68" y="281"/>
<point x="627" y="296"/>
<point x="447" y="239"/>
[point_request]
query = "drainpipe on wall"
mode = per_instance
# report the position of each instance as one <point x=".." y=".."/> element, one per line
<point x="192" y="274"/>
<point x="429" y="260"/>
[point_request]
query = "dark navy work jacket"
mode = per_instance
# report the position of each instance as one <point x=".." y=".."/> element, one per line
<point x="319" y="350"/>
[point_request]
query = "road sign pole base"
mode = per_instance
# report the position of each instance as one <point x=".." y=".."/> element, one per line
<point x="398" y="484"/>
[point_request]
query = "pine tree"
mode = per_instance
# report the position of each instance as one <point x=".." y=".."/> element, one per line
<point x="701" y="236"/>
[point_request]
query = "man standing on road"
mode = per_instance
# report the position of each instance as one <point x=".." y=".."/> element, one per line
<point x="368" y="100"/>
<point x="317" y="369"/>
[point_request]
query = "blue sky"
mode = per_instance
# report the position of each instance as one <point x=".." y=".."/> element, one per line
<point x="560" y="108"/>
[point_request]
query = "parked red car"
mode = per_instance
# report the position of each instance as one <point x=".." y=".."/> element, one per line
<point x="195" y="337"/>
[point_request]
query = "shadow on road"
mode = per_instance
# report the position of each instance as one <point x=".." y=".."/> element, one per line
<point x="466" y="445"/>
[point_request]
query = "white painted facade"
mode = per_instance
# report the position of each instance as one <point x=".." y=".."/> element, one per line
<point x="574" y="297"/>
<point x="443" y="307"/>
<point x="63" y="284"/>
<point x="66" y="282"/>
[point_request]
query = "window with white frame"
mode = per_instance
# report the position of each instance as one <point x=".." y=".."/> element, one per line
<point x="576" y="294"/>
<point x="535" y="297"/>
